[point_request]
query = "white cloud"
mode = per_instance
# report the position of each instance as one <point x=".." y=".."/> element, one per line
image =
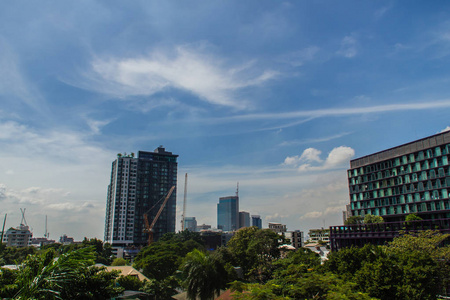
<point x="445" y="129"/>
<point x="310" y="159"/>
<point x="348" y="47"/>
<point x="311" y="155"/>
<point x="339" y="156"/>
<point x="188" y="69"/>
<point x="46" y="171"/>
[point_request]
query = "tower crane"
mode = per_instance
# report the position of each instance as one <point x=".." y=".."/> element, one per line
<point x="149" y="227"/>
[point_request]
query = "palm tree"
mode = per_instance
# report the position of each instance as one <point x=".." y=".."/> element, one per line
<point x="204" y="275"/>
<point x="44" y="276"/>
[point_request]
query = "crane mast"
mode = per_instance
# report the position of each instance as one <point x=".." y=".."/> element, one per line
<point x="183" y="216"/>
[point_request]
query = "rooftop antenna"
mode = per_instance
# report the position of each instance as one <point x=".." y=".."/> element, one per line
<point x="184" y="202"/>
<point x="23" y="221"/>
<point x="237" y="190"/>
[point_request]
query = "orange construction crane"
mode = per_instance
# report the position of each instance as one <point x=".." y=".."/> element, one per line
<point x="149" y="228"/>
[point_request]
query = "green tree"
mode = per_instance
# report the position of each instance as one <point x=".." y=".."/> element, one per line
<point x="412" y="217"/>
<point x="161" y="259"/>
<point x="130" y="283"/>
<point x="254" y="250"/>
<point x="161" y="290"/>
<point x="370" y="219"/>
<point x="204" y="275"/>
<point x="354" y="220"/>
<point x="119" y="261"/>
<point x="69" y="276"/>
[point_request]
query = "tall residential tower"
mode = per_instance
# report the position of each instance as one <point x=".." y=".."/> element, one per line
<point x="137" y="186"/>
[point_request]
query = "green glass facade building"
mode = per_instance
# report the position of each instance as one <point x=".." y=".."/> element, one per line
<point x="410" y="178"/>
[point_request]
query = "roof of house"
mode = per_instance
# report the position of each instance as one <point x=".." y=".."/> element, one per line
<point x="128" y="270"/>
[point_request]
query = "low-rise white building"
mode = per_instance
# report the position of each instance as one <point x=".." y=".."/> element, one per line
<point x="18" y="237"/>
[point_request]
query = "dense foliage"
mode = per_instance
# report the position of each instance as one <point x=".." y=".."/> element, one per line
<point x="67" y="276"/>
<point x="413" y="266"/>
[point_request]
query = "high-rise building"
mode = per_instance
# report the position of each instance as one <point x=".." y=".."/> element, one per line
<point x="190" y="223"/>
<point x="393" y="183"/>
<point x="228" y="213"/>
<point x="244" y="219"/>
<point x="138" y="186"/>
<point x="256" y="221"/>
<point x="411" y="178"/>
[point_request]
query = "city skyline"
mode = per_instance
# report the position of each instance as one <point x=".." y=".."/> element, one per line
<point x="278" y="96"/>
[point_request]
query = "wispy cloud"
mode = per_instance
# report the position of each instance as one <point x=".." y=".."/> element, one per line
<point x="300" y="57"/>
<point x="188" y="68"/>
<point x="334" y="112"/>
<point x="348" y="47"/>
<point x="315" y="140"/>
<point x="13" y="83"/>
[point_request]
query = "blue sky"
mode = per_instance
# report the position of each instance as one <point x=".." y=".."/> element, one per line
<point x="277" y="96"/>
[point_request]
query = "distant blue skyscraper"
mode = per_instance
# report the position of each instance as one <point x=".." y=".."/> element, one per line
<point x="228" y="213"/>
<point x="256" y="221"/>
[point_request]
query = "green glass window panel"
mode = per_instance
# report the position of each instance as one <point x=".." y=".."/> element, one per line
<point x="444" y="193"/>
<point x="414" y="177"/>
<point x="437" y="151"/>
<point x="427" y="196"/>
<point x="434" y="163"/>
<point x="407" y="179"/>
<point x="396" y="162"/>
<point x="381" y="193"/>
<point x="404" y="159"/>
<point x="402" y="199"/>
<point x="389" y="192"/>
<point x="417" y="197"/>
<point x="349" y="174"/>
<point x="420" y="155"/>
<point x="417" y="167"/>
<point x="412" y="158"/>
<point x="444" y="160"/>
<point x="435" y="195"/>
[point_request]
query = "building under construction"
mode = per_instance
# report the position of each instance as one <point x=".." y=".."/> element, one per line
<point x="137" y="186"/>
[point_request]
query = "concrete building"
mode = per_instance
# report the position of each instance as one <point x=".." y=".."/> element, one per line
<point x="18" y="237"/>
<point x="295" y="237"/>
<point x="277" y="227"/>
<point x="319" y="235"/>
<point x="393" y="183"/>
<point x="244" y="219"/>
<point x="411" y="178"/>
<point x="203" y="227"/>
<point x="138" y="186"/>
<point x="190" y="223"/>
<point x="256" y="221"/>
<point x="66" y="240"/>
<point x="228" y="213"/>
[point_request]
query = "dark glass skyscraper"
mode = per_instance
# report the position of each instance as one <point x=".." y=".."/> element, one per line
<point x="228" y="213"/>
<point x="138" y="186"/>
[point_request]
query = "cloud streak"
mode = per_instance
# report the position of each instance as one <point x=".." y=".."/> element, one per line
<point x="188" y="69"/>
<point x="319" y="113"/>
